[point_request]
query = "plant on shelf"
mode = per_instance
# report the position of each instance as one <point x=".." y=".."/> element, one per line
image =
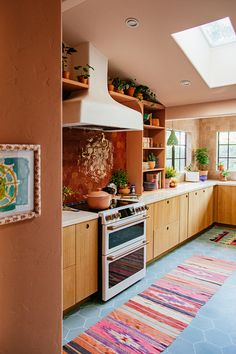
<point x="170" y="173"/>
<point x="220" y="166"/>
<point x="110" y="85"/>
<point x="66" y="50"/>
<point x="151" y="160"/>
<point x="131" y="87"/>
<point x="144" y="92"/>
<point x="120" y="85"/>
<point x="224" y="175"/>
<point x="66" y="192"/>
<point x="120" y="179"/>
<point x="83" y="72"/>
<point x="202" y="158"/>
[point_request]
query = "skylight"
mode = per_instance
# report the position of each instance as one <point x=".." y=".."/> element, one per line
<point x="219" y="32"/>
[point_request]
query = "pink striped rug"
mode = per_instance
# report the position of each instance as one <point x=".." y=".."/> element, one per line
<point x="150" y="321"/>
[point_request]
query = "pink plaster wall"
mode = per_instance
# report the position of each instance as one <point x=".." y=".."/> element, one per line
<point x="30" y="112"/>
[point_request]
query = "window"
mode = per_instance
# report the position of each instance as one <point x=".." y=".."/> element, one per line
<point x="176" y="155"/>
<point x="219" y="32"/>
<point x="227" y="149"/>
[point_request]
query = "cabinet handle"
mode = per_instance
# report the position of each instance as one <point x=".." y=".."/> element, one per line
<point x="167" y="228"/>
<point x="87" y="226"/>
<point x="204" y="190"/>
<point x="168" y="202"/>
<point x="186" y="196"/>
<point x="195" y="193"/>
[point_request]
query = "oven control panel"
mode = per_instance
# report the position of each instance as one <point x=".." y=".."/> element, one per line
<point x="129" y="211"/>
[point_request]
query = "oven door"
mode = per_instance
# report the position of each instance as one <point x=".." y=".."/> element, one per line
<point x="122" y="269"/>
<point x="122" y="234"/>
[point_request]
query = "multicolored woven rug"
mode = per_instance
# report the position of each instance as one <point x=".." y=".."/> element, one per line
<point x="150" y="321"/>
<point x="222" y="235"/>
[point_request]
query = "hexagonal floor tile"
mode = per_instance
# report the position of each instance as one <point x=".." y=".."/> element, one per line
<point x="217" y="337"/>
<point x="206" y="348"/>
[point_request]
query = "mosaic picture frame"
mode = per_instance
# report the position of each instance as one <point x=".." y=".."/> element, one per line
<point x="20" y="190"/>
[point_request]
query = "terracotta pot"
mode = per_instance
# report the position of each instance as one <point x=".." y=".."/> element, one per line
<point x="82" y="79"/>
<point x="66" y="74"/>
<point x="155" y="122"/>
<point x="140" y="96"/>
<point x="125" y="190"/>
<point x="98" y="199"/>
<point x="130" y="91"/>
<point x="221" y="168"/>
<point x="111" y="87"/>
<point x="151" y="164"/>
<point x="167" y="182"/>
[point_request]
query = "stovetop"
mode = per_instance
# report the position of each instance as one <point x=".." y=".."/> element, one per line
<point x="115" y="203"/>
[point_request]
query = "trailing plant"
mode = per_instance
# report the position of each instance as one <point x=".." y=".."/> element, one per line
<point x="170" y="172"/>
<point x="66" y="50"/>
<point x="151" y="157"/>
<point x="84" y="70"/>
<point x="202" y="158"/>
<point x="131" y="83"/>
<point x="148" y="95"/>
<point x="120" y="178"/>
<point x="225" y="173"/>
<point x="119" y="84"/>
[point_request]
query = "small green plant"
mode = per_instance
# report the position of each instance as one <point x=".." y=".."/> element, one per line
<point x="151" y="157"/>
<point x="119" y="84"/>
<point x="120" y="178"/>
<point x="146" y="92"/>
<point x="170" y="172"/>
<point x="189" y="168"/>
<point x="84" y="70"/>
<point x="225" y="173"/>
<point x="66" y="50"/>
<point x="66" y="192"/>
<point x="202" y="158"/>
<point x="131" y="83"/>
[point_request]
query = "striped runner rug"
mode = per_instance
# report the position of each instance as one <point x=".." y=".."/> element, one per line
<point x="226" y="236"/>
<point x="150" y="321"/>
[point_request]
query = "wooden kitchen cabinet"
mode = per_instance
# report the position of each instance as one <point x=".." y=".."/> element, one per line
<point x="68" y="266"/>
<point x="68" y="246"/>
<point x="166" y="225"/>
<point x="86" y="259"/>
<point x="149" y="232"/>
<point x="226" y="205"/>
<point x="68" y="287"/>
<point x="183" y="217"/>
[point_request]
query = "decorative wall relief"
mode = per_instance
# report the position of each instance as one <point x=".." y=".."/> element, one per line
<point x="89" y="158"/>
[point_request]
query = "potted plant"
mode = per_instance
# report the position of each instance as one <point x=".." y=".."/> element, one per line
<point x="202" y="158"/>
<point x="120" y="179"/>
<point x="151" y="160"/>
<point x="190" y="174"/>
<point x="111" y="87"/>
<point x="120" y="85"/>
<point x="144" y="92"/>
<point x="83" y="73"/>
<point x="140" y="91"/>
<point x="224" y="175"/>
<point x="221" y="166"/>
<point x="66" y="50"/>
<point x="66" y="192"/>
<point x="170" y="172"/>
<point x="131" y="87"/>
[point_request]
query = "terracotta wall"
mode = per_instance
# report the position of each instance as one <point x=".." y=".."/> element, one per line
<point x="208" y="129"/>
<point x="89" y="158"/>
<point x="30" y="251"/>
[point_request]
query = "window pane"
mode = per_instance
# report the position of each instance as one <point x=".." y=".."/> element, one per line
<point x="182" y="152"/>
<point x="177" y="148"/>
<point x="168" y="163"/>
<point x="168" y="152"/>
<point x="232" y="151"/>
<point x="223" y="150"/>
<point x="182" y="138"/>
<point x="167" y="134"/>
<point x="232" y="137"/>
<point x="232" y="164"/>
<point x="182" y="165"/>
<point x="223" y="137"/>
<point x="177" y="165"/>
<point x="224" y="161"/>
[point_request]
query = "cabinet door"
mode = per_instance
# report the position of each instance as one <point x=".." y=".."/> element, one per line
<point x="68" y="246"/>
<point x="165" y="238"/>
<point x="226" y="211"/>
<point x="194" y="213"/>
<point x="149" y="232"/>
<point x="166" y="212"/>
<point x="207" y="202"/>
<point x="183" y="217"/>
<point x="86" y="259"/>
<point x="68" y="287"/>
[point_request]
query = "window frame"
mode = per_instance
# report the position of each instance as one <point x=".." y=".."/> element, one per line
<point x="173" y="150"/>
<point x="227" y="158"/>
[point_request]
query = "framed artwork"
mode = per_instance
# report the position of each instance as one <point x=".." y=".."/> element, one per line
<point x="20" y="195"/>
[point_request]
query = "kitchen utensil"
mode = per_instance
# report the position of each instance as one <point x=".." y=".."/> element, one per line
<point x="98" y="199"/>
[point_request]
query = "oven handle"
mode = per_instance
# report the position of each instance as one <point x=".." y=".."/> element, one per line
<point x="113" y="258"/>
<point x="126" y="224"/>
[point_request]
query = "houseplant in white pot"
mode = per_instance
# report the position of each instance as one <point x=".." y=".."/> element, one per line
<point x="202" y="158"/>
<point x="191" y="175"/>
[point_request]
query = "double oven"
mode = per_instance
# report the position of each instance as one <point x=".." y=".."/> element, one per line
<point x="122" y="248"/>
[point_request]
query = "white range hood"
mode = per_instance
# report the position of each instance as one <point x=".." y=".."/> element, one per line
<point x="94" y="108"/>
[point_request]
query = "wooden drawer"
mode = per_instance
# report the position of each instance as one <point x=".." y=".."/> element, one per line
<point x="68" y="287"/>
<point x="166" y="212"/>
<point x="68" y="246"/>
<point x="165" y="238"/>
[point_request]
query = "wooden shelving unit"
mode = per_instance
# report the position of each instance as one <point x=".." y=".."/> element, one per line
<point x="154" y="170"/>
<point x="154" y="148"/>
<point x="72" y="85"/>
<point x="146" y="126"/>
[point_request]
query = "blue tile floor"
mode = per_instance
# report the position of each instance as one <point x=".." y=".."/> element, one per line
<point x="212" y="331"/>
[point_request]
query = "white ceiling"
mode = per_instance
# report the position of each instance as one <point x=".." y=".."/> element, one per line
<point x="149" y="53"/>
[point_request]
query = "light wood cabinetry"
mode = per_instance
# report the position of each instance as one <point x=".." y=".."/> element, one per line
<point x="166" y="225"/>
<point x="86" y="259"/>
<point x="149" y="232"/>
<point x="226" y="205"/>
<point x="200" y="214"/>
<point x="80" y="262"/>
<point x="183" y="217"/>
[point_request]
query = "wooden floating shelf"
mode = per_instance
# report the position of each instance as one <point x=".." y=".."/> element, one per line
<point x="120" y="97"/>
<point x="72" y="85"/>
<point x="154" y="169"/>
<point x="152" y="105"/>
<point x="154" y="148"/>
<point x="146" y="126"/>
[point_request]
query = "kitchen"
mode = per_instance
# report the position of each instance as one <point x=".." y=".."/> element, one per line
<point x="31" y="261"/>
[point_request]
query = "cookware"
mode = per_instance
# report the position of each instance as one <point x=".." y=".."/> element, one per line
<point x="98" y="199"/>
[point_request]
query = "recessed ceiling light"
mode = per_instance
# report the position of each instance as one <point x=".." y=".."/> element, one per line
<point x="132" y="22"/>
<point x="185" y="82"/>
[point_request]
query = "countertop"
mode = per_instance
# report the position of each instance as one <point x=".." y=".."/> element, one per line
<point x="71" y="217"/>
